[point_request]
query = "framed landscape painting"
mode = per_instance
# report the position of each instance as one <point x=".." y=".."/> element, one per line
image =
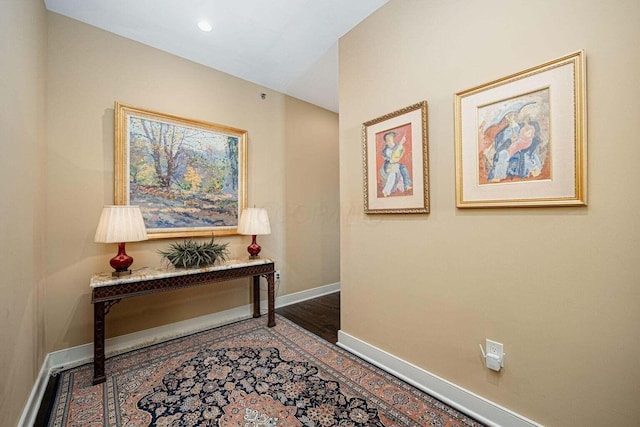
<point x="521" y="140"/>
<point x="189" y="177"/>
<point x="395" y="153"/>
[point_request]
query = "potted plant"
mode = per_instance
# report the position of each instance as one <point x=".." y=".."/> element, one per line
<point x="191" y="254"/>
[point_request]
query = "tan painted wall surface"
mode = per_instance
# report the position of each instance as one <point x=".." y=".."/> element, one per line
<point x="22" y="126"/>
<point x="559" y="287"/>
<point x="312" y="237"/>
<point x="89" y="69"/>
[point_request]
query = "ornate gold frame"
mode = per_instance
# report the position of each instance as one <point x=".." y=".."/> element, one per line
<point x="122" y="158"/>
<point x="416" y="116"/>
<point x="565" y="78"/>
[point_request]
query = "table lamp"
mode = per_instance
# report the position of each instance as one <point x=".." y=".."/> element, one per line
<point x="254" y="221"/>
<point x="120" y="224"/>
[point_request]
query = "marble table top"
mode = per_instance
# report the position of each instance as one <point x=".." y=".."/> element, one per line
<point x="147" y="273"/>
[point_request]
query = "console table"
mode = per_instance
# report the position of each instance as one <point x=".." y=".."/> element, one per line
<point x="107" y="291"/>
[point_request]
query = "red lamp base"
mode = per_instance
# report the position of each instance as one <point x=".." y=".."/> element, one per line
<point x="121" y="262"/>
<point x="254" y="248"/>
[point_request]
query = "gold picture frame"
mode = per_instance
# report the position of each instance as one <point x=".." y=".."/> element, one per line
<point x="396" y="162"/>
<point x="520" y="141"/>
<point x="188" y="176"/>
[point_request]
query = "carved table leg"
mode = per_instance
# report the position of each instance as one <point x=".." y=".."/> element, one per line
<point x="98" y="343"/>
<point x="256" y="296"/>
<point x="271" y="320"/>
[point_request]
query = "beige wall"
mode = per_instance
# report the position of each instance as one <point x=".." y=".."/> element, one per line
<point x="559" y="287"/>
<point x="89" y="69"/>
<point x="312" y="235"/>
<point x="22" y="125"/>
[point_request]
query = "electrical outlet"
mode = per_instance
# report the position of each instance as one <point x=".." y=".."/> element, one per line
<point x="495" y="348"/>
<point x="495" y="355"/>
<point x="276" y="275"/>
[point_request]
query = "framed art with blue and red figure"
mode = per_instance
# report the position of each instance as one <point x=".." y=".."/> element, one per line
<point x="520" y="141"/>
<point x="396" y="166"/>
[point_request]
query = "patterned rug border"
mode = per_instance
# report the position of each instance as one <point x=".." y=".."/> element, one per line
<point x="349" y="370"/>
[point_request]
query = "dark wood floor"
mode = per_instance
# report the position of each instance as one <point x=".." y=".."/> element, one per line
<point x="320" y="316"/>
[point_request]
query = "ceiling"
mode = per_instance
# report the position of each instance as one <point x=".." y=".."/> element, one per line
<point x="290" y="46"/>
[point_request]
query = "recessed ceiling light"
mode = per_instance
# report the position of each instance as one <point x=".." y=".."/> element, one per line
<point x="204" y="26"/>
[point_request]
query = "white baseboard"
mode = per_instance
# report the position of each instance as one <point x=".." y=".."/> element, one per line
<point x="75" y="356"/>
<point x="465" y="401"/>
<point x="30" y="411"/>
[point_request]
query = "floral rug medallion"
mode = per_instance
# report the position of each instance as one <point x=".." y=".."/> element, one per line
<point x="258" y="411"/>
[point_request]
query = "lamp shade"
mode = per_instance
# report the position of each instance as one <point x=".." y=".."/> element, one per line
<point x="254" y="221"/>
<point x="119" y="224"/>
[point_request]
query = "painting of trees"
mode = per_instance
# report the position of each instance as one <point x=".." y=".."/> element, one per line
<point x="184" y="175"/>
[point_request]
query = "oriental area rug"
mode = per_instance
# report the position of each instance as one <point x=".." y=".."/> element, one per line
<point x="245" y="374"/>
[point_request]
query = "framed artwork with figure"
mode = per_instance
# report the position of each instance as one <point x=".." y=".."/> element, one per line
<point x="395" y="154"/>
<point x="520" y="141"/>
<point x="188" y="176"/>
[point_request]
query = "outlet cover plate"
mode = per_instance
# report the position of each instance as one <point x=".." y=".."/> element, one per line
<point x="496" y="348"/>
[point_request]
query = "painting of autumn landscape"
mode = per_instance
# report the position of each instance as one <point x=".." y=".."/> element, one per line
<point x="183" y="177"/>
